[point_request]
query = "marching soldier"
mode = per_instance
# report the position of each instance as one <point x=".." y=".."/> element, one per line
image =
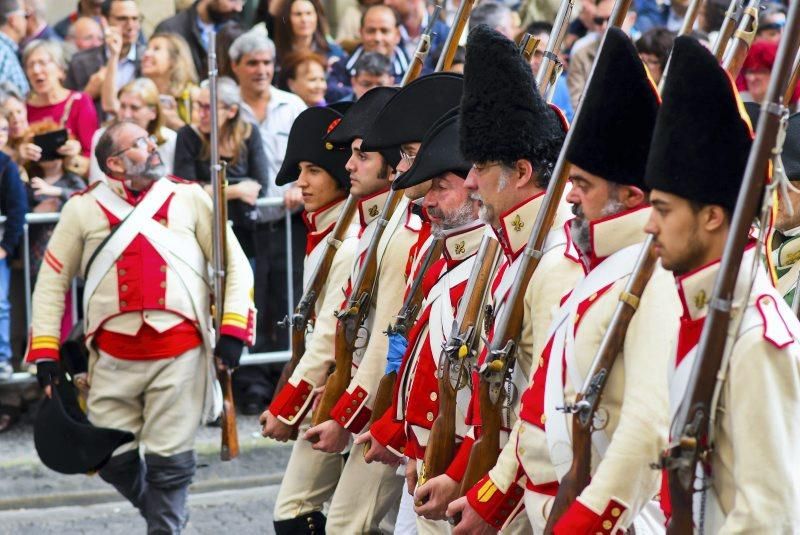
<point x="415" y="108"/>
<point x="755" y="486"/>
<point x="321" y="176"/>
<point x="403" y="430"/>
<point x="142" y="244"/>
<point x="607" y="156"/>
<point x="312" y="475"/>
<point x="513" y="139"/>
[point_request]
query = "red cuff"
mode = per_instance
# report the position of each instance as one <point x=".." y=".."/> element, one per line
<point x="458" y="467"/>
<point x="581" y="519"/>
<point x="351" y="410"/>
<point x="292" y="402"/>
<point x="43" y="347"/>
<point x="390" y="433"/>
<point x="494" y="506"/>
<point x="239" y="327"/>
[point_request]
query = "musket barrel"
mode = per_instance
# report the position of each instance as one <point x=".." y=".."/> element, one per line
<point x="547" y="70"/>
<point x="451" y="44"/>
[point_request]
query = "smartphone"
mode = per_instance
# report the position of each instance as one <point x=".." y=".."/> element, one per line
<point x="168" y="101"/>
<point x="49" y="143"/>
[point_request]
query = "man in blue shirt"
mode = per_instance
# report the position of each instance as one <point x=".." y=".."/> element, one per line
<point x="12" y="32"/>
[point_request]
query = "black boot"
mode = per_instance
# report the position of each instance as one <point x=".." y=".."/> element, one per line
<point x="310" y="523"/>
<point x="168" y="480"/>
<point x="127" y="474"/>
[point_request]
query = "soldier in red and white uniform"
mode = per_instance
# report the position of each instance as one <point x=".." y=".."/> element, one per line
<point x="750" y="479"/>
<point x="415" y="108"/>
<point x="143" y="243"/>
<point x="403" y="430"/>
<point x="312" y="476"/>
<point x="509" y="176"/>
<point x="607" y="153"/>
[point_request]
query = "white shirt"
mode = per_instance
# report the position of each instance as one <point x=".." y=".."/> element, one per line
<point x="166" y="150"/>
<point x="282" y="109"/>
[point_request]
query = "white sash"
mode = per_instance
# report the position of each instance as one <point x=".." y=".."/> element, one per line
<point x="398" y="217"/>
<point x="442" y="314"/>
<point x="613" y="268"/>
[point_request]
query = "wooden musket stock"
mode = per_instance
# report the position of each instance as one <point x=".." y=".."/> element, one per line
<point x="455" y="361"/>
<point x="451" y="44"/>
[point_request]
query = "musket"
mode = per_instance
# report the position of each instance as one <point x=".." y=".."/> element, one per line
<point x="501" y="356"/>
<point x="451" y="44"/>
<point x="588" y="398"/>
<point x="726" y="30"/>
<point x="353" y="315"/>
<point x="587" y="401"/>
<point x="299" y="322"/>
<point x="551" y="66"/>
<point x="230" y="437"/>
<point x="402" y="325"/>
<point x="693" y="425"/>
<point x="742" y="39"/>
<point x="422" y="51"/>
<point x="457" y="358"/>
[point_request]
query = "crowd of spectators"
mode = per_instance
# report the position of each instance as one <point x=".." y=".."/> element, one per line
<point x="146" y="61"/>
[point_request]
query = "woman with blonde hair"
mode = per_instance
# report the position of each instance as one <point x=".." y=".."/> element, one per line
<point x="51" y="106"/>
<point x="239" y="145"/>
<point x="167" y="61"/>
<point x="139" y="102"/>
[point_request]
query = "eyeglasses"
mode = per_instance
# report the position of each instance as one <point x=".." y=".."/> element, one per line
<point x="407" y="158"/>
<point x="142" y="143"/>
<point x="600" y="21"/>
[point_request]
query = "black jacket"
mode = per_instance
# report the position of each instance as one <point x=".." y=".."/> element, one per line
<point x="184" y="23"/>
<point x="13" y="204"/>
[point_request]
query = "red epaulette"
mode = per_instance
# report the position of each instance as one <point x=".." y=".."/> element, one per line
<point x="86" y="190"/>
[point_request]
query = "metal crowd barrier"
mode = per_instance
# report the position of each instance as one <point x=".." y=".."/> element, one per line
<point x="248" y="359"/>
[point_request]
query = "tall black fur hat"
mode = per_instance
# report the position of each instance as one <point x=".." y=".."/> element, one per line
<point x="791" y="146"/>
<point x="438" y="154"/>
<point x="65" y="440"/>
<point x="413" y="110"/>
<point x="612" y="137"/>
<point x="702" y="136"/>
<point x="503" y="117"/>
<point x="306" y="145"/>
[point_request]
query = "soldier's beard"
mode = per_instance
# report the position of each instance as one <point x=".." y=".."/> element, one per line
<point x="579" y="225"/>
<point x="148" y="169"/>
<point x="461" y="216"/>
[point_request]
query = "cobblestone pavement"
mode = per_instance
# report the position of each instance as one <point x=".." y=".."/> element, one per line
<point x="235" y="511"/>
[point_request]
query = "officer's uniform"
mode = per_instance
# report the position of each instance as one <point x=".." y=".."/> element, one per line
<point x="755" y="486"/>
<point x="147" y="325"/>
<point x="633" y="405"/>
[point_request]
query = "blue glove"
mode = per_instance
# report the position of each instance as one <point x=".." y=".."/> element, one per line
<point x="397" y="348"/>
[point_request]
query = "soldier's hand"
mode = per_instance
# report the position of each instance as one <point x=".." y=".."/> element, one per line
<point x="229" y="350"/>
<point x="376" y="451"/>
<point x="411" y="476"/>
<point x="434" y="495"/>
<point x="47" y="373"/>
<point x="330" y="437"/>
<point x="272" y="427"/>
<point x="471" y="522"/>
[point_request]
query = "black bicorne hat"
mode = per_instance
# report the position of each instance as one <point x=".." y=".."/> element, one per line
<point x="438" y="154"/>
<point x="702" y="136"/>
<point x="791" y="146"/>
<point x="413" y="110"/>
<point x="65" y="440"/>
<point x="503" y="117"/>
<point x="358" y="119"/>
<point x="612" y="137"/>
<point x="306" y="145"/>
